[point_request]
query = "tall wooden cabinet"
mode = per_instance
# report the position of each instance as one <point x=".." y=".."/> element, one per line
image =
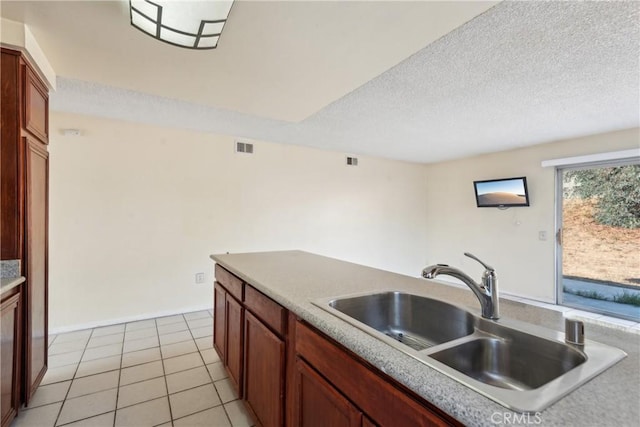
<point x="35" y="263"/>
<point x="24" y="173"/>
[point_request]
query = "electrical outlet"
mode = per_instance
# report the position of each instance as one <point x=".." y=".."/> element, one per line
<point x="199" y="277"/>
<point x="542" y="235"/>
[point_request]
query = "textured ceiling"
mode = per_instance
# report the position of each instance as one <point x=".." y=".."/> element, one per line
<point x="520" y="74"/>
<point x="281" y="60"/>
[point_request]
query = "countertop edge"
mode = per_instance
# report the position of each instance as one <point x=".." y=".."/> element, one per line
<point x="8" y="283"/>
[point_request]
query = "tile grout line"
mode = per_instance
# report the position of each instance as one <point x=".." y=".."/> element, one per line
<point x="209" y="374"/>
<point x="168" y="394"/>
<point x="99" y="373"/>
<point x="115" y="410"/>
<point x="213" y="383"/>
<point x="164" y="373"/>
<point x="204" y="410"/>
<point x="105" y="345"/>
<point x="64" y="401"/>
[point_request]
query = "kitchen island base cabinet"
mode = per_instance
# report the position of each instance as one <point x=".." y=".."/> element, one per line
<point x="10" y="350"/>
<point x="290" y="374"/>
<point x="318" y="404"/>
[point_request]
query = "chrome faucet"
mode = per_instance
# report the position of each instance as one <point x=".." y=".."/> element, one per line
<point x="487" y="291"/>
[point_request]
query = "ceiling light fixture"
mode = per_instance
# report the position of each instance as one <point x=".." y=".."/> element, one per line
<point x="189" y="24"/>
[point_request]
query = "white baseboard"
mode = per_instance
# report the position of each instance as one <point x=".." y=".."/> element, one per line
<point x="133" y="318"/>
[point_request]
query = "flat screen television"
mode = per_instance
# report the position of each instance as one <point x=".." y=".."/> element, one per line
<point x="502" y="193"/>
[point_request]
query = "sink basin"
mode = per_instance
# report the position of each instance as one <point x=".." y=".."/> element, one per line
<point x="415" y="321"/>
<point x="524" y="364"/>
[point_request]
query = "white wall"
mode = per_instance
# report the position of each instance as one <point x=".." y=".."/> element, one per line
<point x="505" y="239"/>
<point x="16" y="35"/>
<point x="136" y="210"/>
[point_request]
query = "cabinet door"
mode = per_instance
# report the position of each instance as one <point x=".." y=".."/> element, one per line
<point x="319" y="404"/>
<point x="264" y="372"/>
<point x="9" y="358"/>
<point x="234" y="344"/>
<point x="36" y="105"/>
<point x="36" y="289"/>
<point x="219" y="321"/>
<point x="366" y="422"/>
<point x="11" y="159"/>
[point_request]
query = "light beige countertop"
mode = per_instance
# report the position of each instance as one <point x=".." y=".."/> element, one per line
<point x="8" y="283"/>
<point x="295" y="278"/>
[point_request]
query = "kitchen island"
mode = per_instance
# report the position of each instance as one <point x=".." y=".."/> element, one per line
<point x="294" y="278"/>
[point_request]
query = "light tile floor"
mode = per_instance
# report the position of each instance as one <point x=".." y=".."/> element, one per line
<point x="157" y="372"/>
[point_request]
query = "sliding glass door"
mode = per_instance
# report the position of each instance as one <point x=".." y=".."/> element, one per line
<point x="598" y="240"/>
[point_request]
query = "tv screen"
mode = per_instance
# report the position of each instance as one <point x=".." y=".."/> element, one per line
<point x="502" y="193"/>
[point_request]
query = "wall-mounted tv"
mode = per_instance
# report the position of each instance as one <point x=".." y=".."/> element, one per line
<point x="502" y="193"/>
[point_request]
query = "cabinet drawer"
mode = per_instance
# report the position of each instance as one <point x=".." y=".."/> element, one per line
<point x="265" y="309"/>
<point x="378" y="397"/>
<point x="232" y="284"/>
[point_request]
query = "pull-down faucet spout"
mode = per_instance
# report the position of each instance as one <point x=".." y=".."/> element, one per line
<point x="486" y="291"/>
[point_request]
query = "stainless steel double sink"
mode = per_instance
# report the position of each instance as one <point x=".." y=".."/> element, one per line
<point x="519" y="365"/>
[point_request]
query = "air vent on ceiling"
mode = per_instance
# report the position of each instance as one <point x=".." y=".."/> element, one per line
<point x="244" y="147"/>
<point x="352" y="161"/>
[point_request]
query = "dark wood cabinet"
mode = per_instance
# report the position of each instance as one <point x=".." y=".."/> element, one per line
<point x="35" y="264"/>
<point x="228" y="333"/>
<point x="228" y="327"/>
<point x="319" y="404"/>
<point x="264" y="372"/>
<point x="249" y="337"/>
<point x="24" y="182"/>
<point x="289" y="373"/>
<point x="366" y="422"/>
<point x="11" y="158"/>
<point x="36" y="106"/>
<point x="10" y="351"/>
<point x="379" y="397"/>
<point x="219" y="320"/>
<point x="235" y="342"/>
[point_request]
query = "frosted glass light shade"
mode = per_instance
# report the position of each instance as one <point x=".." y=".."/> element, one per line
<point x="184" y="23"/>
